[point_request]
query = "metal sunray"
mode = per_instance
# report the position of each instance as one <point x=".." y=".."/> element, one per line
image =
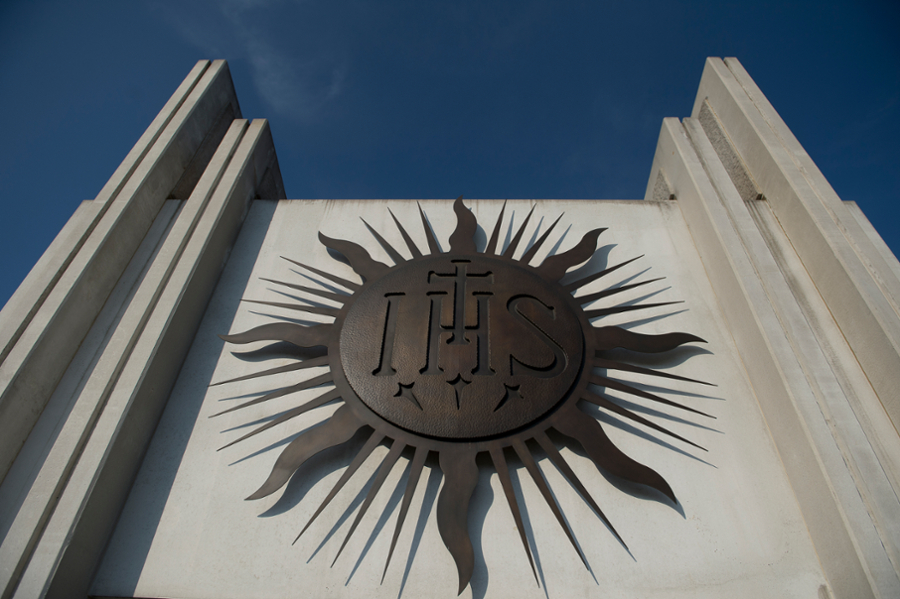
<point x="462" y="240"/>
<point x="389" y="460"/>
<point x="572" y="287"/>
<point x="360" y="260"/>
<point x="574" y="423"/>
<point x="338" y="429"/>
<point x="527" y="256"/>
<point x="326" y="275"/>
<point x="415" y="470"/>
<point x="491" y="248"/>
<point x="561" y="463"/>
<point x="613" y="365"/>
<point x="410" y="244"/>
<point x="503" y="472"/>
<point x="612" y="337"/>
<point x="311" y="363"/>
<point x="301" y="336"/>
<point x="310" y="405"/>
<point x="394" y="254"/>
<point x="605" y="403"/>
<point x="535" y="471"/>
<point x="297" y="307"/>
<point x="460" y="479"/>
<point x="619" y="309"/>
<point x="511" y="248"/>
<point x="554" y="268"/>
<point x="603" y="381"/>
<point x="586" y="299"/>
<point x="319" y="292"/>
<point x="374" y="439"/>
<point x="429" y="234"/>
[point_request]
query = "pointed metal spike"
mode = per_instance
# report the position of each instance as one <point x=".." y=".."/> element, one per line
<point x="605" y="403"/>
<point x="603" y="381"/>
<point x="389" y="460"/>
<point x="491" y="248"/>
<point x="410" y="244"/>
<point x="538" y="477"/>
<point x="374" y="439"/>
<point x="560" y="462"/>
<point x="462" y="240"/>
<point x="338" y="429"/>
<point x="526" y="258"/>
<point x="360" y="260"/>
<point x="574" y="423"/>
<point x="429" y="234"/>
<point x="572" y="287"/>
<point x="311" y="363"/>
<point x="613" y="365"/>
<point x="307" y="384"/>
<point x="612" y="337"/>
<point x="319" y="292"/>
<point x="394" y="254"/>
<point x="297" y="307"/>
<point x="503" y="472"/>
<point x="326" y="275"/>
<point x="511" y="249"/>
<point x="415" y="470"/>
<point x="586" y="299"/>
<point x="310" y="405"/>
<point x="555" y="267"/>
<point x="620" y="309"/>
<point x="460" y="479"/>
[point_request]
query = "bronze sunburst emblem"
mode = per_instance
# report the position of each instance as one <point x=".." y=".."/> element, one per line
<point x="459" y="353"/>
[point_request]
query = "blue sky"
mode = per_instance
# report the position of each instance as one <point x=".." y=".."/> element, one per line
<point x="436" y="99"/>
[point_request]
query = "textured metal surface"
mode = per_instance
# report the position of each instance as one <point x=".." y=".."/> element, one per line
<point x="460" y="353"/>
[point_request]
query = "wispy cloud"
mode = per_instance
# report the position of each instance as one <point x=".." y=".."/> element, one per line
<point x="295" y="84"/>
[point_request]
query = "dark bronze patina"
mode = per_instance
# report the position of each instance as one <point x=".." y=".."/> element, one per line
<point x="460" y="353"/>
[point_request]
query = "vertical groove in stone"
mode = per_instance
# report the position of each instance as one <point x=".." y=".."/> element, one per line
<point x="732" y="162"/>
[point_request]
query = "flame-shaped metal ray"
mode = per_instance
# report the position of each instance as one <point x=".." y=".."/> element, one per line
<point x="574" y="286"/>
<point x="338" y="429"/>
<point x="429" y="234"/>
<point x="460" y="478"/>
<point x="620" y="309"/>
<point x="462" y="241"/>
<point x="574" y="423"/>
<point x="394" y="254"/>
<point x="307" y="384"/>
<point x="602" y="381"/>
<point x="374" y="439"/>
<point x="359" y="258"/>
<point x="613" y="365"/>
<point x="561" y="463"/>
<point x="410" y="244"/>
<point x="335" y="297"/>
<point x="503" y="473"/>
<point x="491" y="248"/>
<point x="511" y="248"/>
<point x="415" y="470"/>
<point x="326" y="275"/>
<point x="555" y="267"/>
<point x="586" y="299"/>
<point x="312" y="404"/>
<point x="389" y="460"/>
<point x="296" y="334"/>
<point x="599" y="400"/>
<point x="527" y="256"/>
<point x="311" y="363"/>
<point x="539" y="480"/>
<point x="613" y="337"/>
<point x="324" y="311"/>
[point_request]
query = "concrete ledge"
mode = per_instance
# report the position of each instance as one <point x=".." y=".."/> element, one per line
<point x="66" y="556"/>
<point x="769" y="360"/>
<point x="126" y="209"/>
<point x="868" y="319"/>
